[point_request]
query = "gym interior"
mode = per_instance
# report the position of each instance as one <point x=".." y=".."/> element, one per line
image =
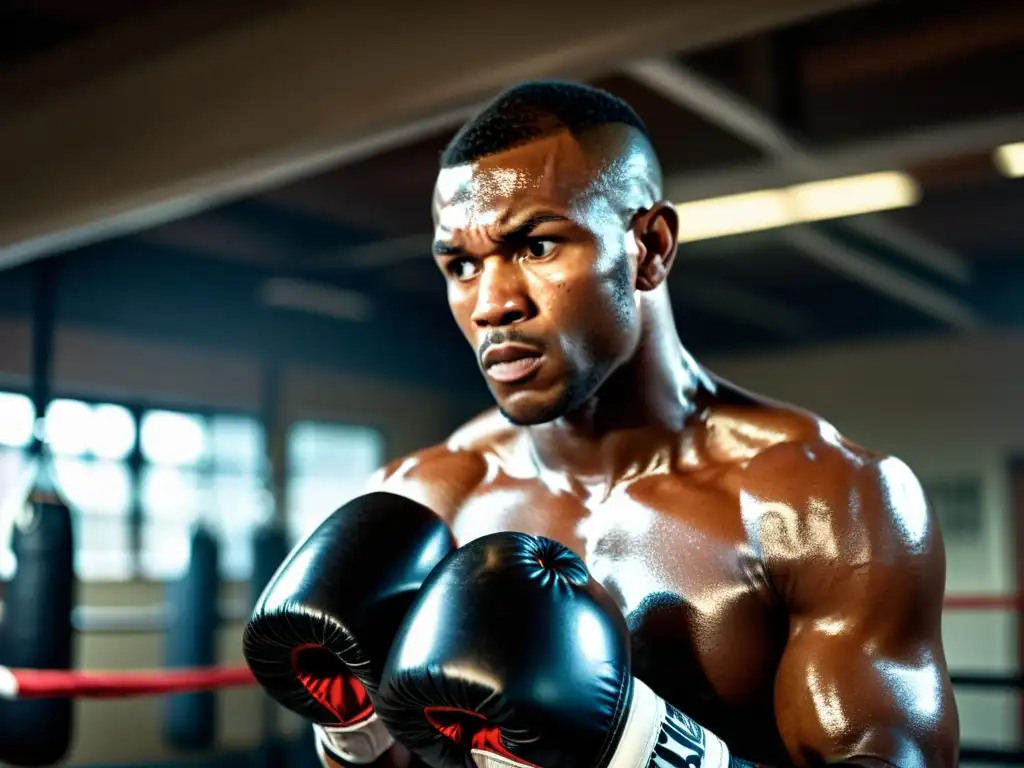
<point x="219" y="314"/>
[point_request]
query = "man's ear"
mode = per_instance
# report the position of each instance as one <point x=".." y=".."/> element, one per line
<point x="657" y="234"/>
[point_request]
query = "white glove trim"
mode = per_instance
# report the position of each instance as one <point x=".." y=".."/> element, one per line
<point x="653" y="725"/>
<point x="649" y="724"/>
<point x="361" y="743"/>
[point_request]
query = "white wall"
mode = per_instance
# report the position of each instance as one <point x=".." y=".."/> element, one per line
<point x="111" y="366"/>
<point x="949" y="408"/>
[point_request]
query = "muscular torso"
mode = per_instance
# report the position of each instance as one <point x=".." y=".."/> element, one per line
<point x="698" y="543"/>
<point x="672" y="549"/>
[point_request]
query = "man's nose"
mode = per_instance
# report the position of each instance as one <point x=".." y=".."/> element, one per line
<point x="502" y="298"/>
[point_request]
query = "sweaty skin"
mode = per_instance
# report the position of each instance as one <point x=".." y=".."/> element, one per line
<point x="783" y="586"/>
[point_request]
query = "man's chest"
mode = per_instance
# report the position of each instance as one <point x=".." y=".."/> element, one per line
<point x="676" y="557"/>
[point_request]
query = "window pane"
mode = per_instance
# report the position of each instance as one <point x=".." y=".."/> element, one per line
<point x="94" y="487"/>
<point x="99" y="495"/>
<point x="15" y="481"/>
<point x="240" y="504"/>
<point x="330" y="464"/>
<point x="312" y="499"/>
<point x="170" y="493"/>
<point x="17" y="420"/>
<point x="165" y="549"/>
<point x="178" y="439"/>
<point x="102" y="548"/>
<point x="113" y="431"/>
<point x="74" y="428"/>
<point x="334" y="449"/>
<point x="68" y="427"/>
<point x="237" y="444"/>
<point x="173" y="500"/>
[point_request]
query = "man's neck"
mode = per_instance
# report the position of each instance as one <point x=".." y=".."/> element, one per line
<point x="636" y="417"/>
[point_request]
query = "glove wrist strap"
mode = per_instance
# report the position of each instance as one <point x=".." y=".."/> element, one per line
<point x="360" y="744"/>
<point x="658" y="735"/>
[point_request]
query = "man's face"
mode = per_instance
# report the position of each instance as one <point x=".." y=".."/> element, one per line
<point x="540" y="270"/>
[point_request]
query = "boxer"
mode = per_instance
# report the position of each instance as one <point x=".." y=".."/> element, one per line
<point x="781" y="586"/>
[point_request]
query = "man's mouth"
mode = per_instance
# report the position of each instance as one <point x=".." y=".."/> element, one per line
<point x="509" y="363"/>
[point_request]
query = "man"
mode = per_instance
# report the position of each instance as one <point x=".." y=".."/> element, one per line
<point x="782" y="586"/>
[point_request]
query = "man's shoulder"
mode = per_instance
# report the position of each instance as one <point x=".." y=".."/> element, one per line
<point x="769" y="437"/>
<point x="444" y="475"/>
<point x="815" y="462"/>
<point x="822" y="504"/>
<point x="807" y="476"/>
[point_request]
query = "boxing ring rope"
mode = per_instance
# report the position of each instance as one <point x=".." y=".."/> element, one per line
<point x="1003" y="602"/>
<point x="23" y="684"/>
<point x="987" y="681"/>
<point x="57" y="684"/>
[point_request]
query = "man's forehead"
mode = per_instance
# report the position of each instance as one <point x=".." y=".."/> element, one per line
<point x="553" y="171"/>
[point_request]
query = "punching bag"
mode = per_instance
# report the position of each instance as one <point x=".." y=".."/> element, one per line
<point x="36" y="630"/>
<point x="270" y="547"/>
<point x="191" y="641"/>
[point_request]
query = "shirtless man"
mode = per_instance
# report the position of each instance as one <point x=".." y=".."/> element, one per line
<point x="782" y="586"/>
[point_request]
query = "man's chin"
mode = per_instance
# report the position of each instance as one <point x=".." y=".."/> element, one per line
<point x="527" y="409"/>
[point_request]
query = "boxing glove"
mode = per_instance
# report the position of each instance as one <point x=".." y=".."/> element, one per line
<point x="320" y="632"/>
<point x="513" y="656"/>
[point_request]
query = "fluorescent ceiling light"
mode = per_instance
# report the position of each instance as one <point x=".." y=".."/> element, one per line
<point x="802" y="203"/>
<point x="1010" y="160"/>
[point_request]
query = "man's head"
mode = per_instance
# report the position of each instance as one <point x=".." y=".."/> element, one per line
<point x="548" y="228"/>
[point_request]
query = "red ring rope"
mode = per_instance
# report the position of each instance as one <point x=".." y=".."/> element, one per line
<point x="993" y="602"/>
<point x="61" y="684"/>
<point x="53" y="684"/>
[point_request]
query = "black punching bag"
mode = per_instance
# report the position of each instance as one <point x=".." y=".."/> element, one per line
<point x="36" y="631"/>
<point x="270" y="548"/>
<point x="191" y="641"/>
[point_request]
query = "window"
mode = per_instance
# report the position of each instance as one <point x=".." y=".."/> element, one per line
<point x="90" y="445"/>
<point x="163" y="474"/>
<point x="328" y="464"/>
<point x="958" y="504"/>
<point x="17" y="422"/>
<point x="197" y="469"/>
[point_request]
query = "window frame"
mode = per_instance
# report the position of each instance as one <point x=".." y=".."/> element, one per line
<point x="139" y="405"/>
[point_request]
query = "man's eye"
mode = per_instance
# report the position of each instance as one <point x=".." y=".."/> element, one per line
<point x="538" y="249"/>
<point x="461" y="269"/>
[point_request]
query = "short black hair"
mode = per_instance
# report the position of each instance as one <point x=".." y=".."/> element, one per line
<point x="530" y="110"/>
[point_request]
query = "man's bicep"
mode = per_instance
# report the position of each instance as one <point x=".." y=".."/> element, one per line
<point x="845" y="694"/>
<point x="863" y="676"/>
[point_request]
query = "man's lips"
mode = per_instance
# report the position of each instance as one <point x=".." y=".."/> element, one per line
<point x="506" y="363"/>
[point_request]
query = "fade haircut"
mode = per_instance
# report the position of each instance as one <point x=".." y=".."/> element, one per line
<point x="531" y="110"/>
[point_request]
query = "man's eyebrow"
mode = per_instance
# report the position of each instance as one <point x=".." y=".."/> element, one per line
<point x="441" y="248"/>
<point x="518" y="233"/>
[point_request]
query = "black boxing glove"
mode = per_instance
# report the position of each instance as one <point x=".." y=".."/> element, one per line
<point x="320" y="633"/>
<point x="514" y="656"/>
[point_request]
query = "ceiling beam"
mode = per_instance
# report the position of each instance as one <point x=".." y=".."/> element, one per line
<point x="882" y="277"/>
<point x="747" y="122"/>
<point x="744" y="120"/>
<point x="881" y="153"/>
<point x="271" y="99"/>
